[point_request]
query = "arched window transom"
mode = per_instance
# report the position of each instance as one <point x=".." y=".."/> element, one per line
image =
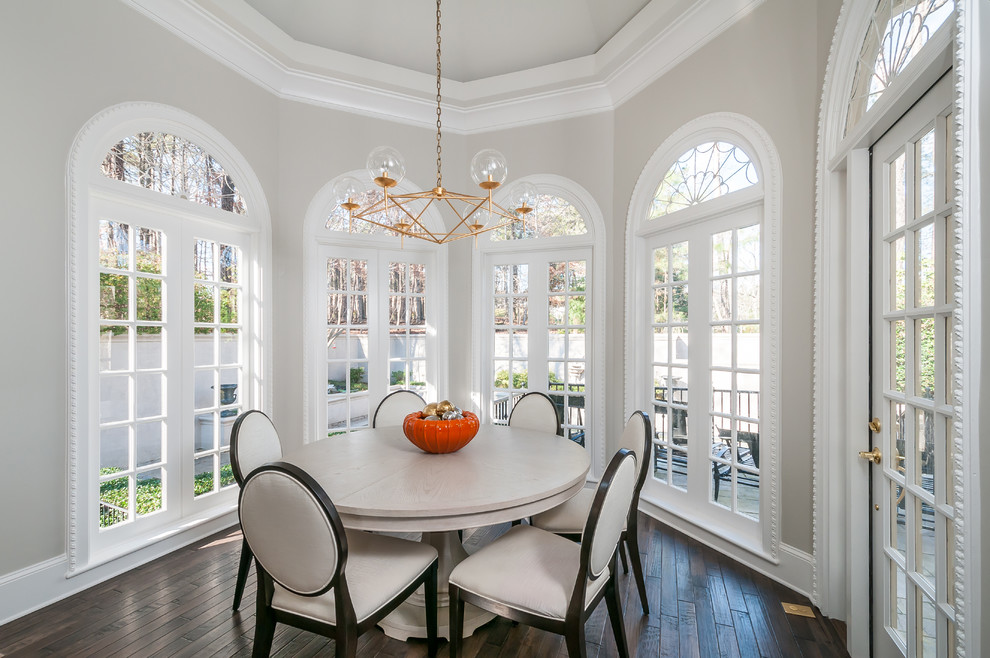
<point x="705" y="172"/>
<point x="898" y="30"/>
<point x="552" y="217"/>
<point x="175" y="166"/>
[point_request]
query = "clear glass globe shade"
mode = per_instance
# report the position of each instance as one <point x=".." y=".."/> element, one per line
<point x="488" y="165"/>
<point x="386" y="162"/>
<point x="523" y="195"/>
<point x="347" y="189"/>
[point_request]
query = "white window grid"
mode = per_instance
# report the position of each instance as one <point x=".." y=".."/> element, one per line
<point x="218" y="369"/>
<point x="737" y="422"/>
<point x="347" y="307"/>
<point x="130" y="379"/>
<point x="510" y="311"/>
<point x="670" y="369"/>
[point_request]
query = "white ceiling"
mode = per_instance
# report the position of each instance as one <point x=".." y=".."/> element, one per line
<point x="505" y="62"/>
<point x="481" y="38"/>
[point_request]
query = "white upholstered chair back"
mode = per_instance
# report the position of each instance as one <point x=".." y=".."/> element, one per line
<point x="535" y="411"/>
<point x="292" y="528"/>
<point x="253" y="442"/>
<point x="637" y="438"/>
<point x="395" y="406"/>
<point x="609" y="511"/>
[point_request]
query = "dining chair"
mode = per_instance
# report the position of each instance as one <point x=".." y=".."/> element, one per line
<point x="536" y="411"/>
<point x="395" y="406"/>
<point x="253" y="442"/>
<point x="544" y="580"/>
<point x="314" y="575"/>
<point x="567" y="518"/>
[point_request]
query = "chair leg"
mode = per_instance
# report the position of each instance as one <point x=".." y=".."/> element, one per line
<point x="622" y="556"/>
<point x="615" y="616"/>
<point x="431" y="610"/>
<point x="264" y="628"/>
<point x="242" y="573"/>
<point x="456" y="625"/>
<point x="574" y="638"/>
<point x="631" y="537"/>
<point x="345" y="642"/>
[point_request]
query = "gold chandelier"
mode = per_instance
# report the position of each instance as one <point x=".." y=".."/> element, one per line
<point x="402" y="213"/>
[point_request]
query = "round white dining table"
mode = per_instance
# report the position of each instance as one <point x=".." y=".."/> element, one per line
<point x="379" y="481"/>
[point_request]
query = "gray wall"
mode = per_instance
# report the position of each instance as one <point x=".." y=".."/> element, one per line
<point x="62" y="63"/>
<point x="65" y="61"/>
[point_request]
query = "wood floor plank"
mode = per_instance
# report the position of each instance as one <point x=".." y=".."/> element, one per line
<point x="687" y="628"/>
<point x="705" y="618"/>
<point x="703" y="604"/>
<point x="762" y="634"/>
<point x="728" y="647"/>
<point x="669" y="637"/>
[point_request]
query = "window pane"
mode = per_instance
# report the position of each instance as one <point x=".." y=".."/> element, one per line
<point x="172" y="165"/>
<point x="748" y="249"/>
<point x="114" y="296"/>
<point x="148" y="255"/>
<point x="924" y="279"/>
<point x="722" y="253"/>
<point x="148" y="348"/>
<point x="925" y="173"/>
<point x="114" y="244"/>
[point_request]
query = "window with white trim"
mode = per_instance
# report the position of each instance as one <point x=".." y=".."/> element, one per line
<point x="166" y="243"/>
<point x="538" y="313"/>
<point x="380" y="305"/>
<point x="701" y="309"/>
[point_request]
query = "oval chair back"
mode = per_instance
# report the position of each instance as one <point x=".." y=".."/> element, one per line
<point x="607" y="517"/>
<point x="395" y="406"/>
<point x="293" y="529"/>
<point x="536" y="411"/>
<point x="253" y="442"/>
<point x="637" y="437"/>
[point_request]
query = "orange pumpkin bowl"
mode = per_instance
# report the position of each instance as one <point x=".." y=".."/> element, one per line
<point x="440" y="436"/>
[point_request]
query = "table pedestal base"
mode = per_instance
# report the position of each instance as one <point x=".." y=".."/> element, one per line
<point x="409" y="619"/>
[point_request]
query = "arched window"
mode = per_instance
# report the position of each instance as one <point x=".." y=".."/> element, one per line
<point x="375" y="306"/>
<point x="167" y="252"/>
<point x="897" y="31"/>
<point x="702" y="304"/>
<point x="552" y="217"/>
<point x="539" y="311"/>
<point x="704" y="172"/>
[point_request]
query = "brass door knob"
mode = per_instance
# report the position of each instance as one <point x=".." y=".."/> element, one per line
<point x="875" y="425"/>
<point x="873" y="455"/>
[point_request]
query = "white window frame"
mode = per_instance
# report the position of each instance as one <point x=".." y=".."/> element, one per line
<point x="91" y="195"/>
<point x="686" y="512"/>
<point x="590" y="246"/>
<point x="320" y="242"/>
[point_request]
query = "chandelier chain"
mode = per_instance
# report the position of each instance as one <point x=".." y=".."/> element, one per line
<point x="439" y="149"/>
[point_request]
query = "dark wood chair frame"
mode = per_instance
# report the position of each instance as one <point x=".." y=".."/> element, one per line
<point x="560" y="425"/>
<point x="244" y="565"/>
<point x="630" y="536"/>
<point x="347" y="630"/>
<point x="374" y="420"/>
<point x="572" y="626"/>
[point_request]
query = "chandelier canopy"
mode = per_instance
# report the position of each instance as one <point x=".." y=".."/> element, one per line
<point x="401" y="213"/>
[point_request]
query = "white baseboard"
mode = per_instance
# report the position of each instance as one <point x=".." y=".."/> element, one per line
<point x="795" y="566"/>
<point x="41" y="584"/>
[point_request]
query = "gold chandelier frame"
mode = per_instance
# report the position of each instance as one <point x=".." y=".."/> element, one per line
<point x="402" y="213"/>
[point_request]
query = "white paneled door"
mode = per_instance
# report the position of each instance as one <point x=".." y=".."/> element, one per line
<point x="912" y="304"/>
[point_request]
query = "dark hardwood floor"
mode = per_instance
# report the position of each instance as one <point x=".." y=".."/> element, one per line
<point x="701" y="604"/>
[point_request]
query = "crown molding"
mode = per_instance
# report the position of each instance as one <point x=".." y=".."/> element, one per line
<point x="651" y="44"/>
